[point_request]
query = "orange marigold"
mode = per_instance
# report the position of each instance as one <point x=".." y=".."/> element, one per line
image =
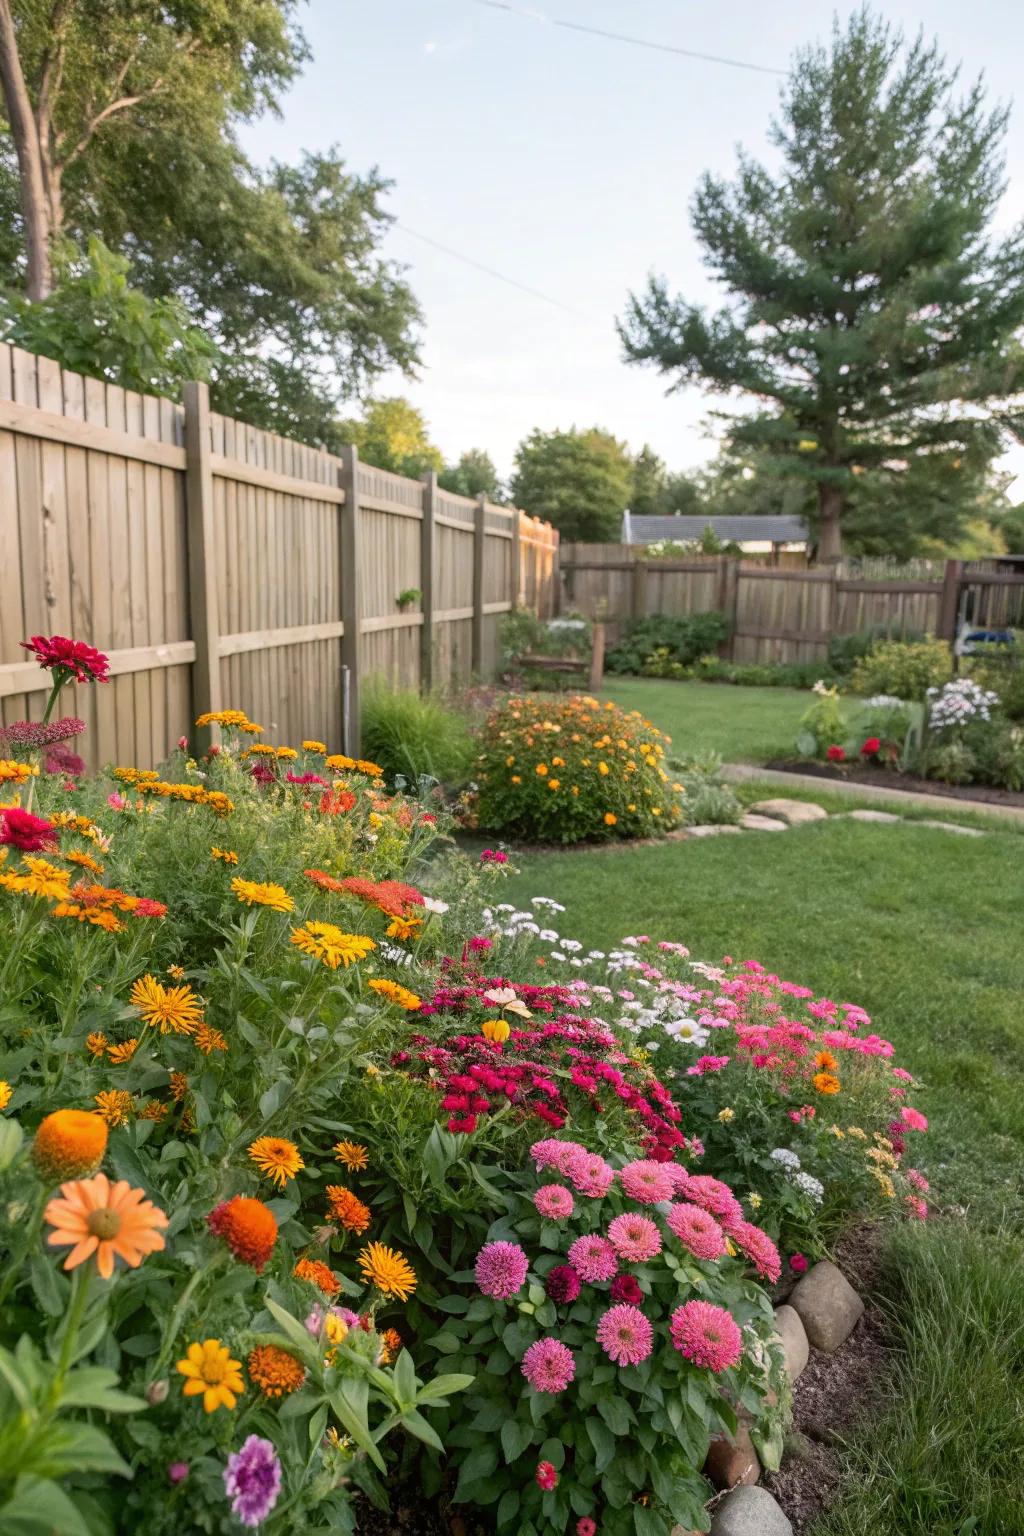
<point x="319" y="1274"/>
<point x="826" y="1062"/>
<point x="96" y="1043"/>
<point x="115" y="1105"/>
<point x="395" y="993"/>
<point x="827" y="1082"/>
<point x="208" y="1039"/>
<point x="275" y="1371"/>
<point x="68" y="1144"/>
<point x="390" y="1345"/>
<point x="352" y="1153"/>
<point x="248" y="1227"/>
<point x="347" y="1209"/>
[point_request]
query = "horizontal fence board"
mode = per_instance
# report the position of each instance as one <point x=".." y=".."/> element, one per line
<point x="27" y="421"/>
<point x="273" y="480"/>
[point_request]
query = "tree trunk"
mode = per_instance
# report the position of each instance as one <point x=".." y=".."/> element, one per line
<point x="830" y="509"/>
<point x="34" y="202"/>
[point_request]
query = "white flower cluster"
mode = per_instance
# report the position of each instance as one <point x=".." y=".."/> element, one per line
<point x="959" y="703"/>
<point x="785" y="1158"/>
<point x="879" y="701"/>
<point x="813" y="1188"/>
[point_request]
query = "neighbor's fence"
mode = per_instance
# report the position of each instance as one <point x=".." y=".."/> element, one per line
<point x="780" y="614"/>
<point x="221" y="565"/>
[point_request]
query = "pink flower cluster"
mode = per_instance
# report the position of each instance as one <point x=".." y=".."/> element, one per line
<point x="500" y="1269"/>
<point x="548" y="1366"/>
<point x="707" y="1335"/>
<point x="625" y="1335"/>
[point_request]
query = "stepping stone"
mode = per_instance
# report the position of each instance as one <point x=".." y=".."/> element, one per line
<point x="868" y="816"/>
<point x="951" y="826"/>
<point x="752" y="823"/>
<point x="711" y="830"/>
<point x="732" y="1463"/>
<point x="793" y="812"/>
<point x="828" y="1305"/>
<point x="793" y="1338"/>
<point x="750" y="1512"/>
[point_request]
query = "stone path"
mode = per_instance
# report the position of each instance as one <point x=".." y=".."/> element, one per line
<point x="745" y="773"/>
<point x="781" y="814"/>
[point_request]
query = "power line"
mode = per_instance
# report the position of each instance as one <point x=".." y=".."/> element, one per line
<point x="490" y="271"/>
<point x="623" y="37"/>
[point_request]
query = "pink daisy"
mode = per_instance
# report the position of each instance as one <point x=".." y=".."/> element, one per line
<point x="548" y="1366"/>
<point x="635" y="1238"/>
<point x="593" y="1258"/>
<point x="647" y="1181"/>
<point x="554" y="1202"/>
<point x="625" y="1335"/>
<point x="552" y="1153"/>
<point x="501" y="1269"/>
<point x="759" y="1249"/>
<point x="707" y="1335"/>
<point x="697" y="1230"/>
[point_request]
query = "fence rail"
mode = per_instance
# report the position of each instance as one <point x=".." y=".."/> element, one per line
<point x="217" y="563"/>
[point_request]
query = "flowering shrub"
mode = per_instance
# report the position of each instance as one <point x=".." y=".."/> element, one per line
<point x="572" y="769"/>
<point x="959" y="703"/>
<point x="906" y="669"/>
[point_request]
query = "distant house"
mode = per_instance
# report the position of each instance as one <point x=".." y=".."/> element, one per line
<point x="754" y="535"/>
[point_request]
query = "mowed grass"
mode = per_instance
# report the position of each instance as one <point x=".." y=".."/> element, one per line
<point x="744" y="725"/>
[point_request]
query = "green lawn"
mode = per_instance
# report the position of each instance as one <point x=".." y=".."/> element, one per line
<point x="741" y="724"/>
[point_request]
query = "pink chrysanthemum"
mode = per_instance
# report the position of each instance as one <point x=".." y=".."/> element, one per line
<point x="918" y="1180"/>
<point x="710" y="1194"/>
<point x="635" y="1238"/>
<point x="697" y="1230"/>
<point x="707" y="1335"/>
<point x="545" y="1476"/>
<point x="501" y="1269"/>
<point x="913" y="1118"/>
<point x="593" y="1258"/>
<point x="552" y="1153"/>
<point x="548" y="1366"/>
<point x="625" y="1335"/>
<point x="554" y="1202"/>
<point x="590" y="1175"/>
<point x="759" y="1249"/>
<point x="647" y="1181"/>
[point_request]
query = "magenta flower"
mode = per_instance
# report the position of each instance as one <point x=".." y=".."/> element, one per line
<point x="697" y="1230"/>
<point x="707" y="1335"/>
<point x="590" y="1175"/>
<point x="759" y="1249"/>
<point x="593" y="1258"/>
<point x="635" y="1238"/>
<point x="546" y="1476"/>
<point x="647" y="1181"/>
<point x="252" y="1480"/>
<point x="625" y="1335"/>
<point x="711" y="1195"/>
<point x="501" y="1269"/>
<point x="563" y="1284"/>
<point x="554" y="1202"/>
<point x="548" y="1366"/>
<point x="798" y="1263"/>
<point x="177" y="1472"/>
<point x="626" y="1288"/>
<point x="585" y="1526"/>
<point x="913" y="1118"/>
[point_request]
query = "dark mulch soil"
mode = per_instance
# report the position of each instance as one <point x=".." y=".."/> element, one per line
<point x="887" y="778"/>
<point x="832" y="1394"/>
<point x="413" y="1515"/>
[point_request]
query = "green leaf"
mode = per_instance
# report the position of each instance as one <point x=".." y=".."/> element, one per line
<point x="70" y="1447"/>
<point x="92" y="1386"/>
<point x="445" y="1386"/>
<point x="45" y="1285"/>
<point x="603" y="1441"/>
<point x="445" y="1343"/>
<point x="355" y="1423"/>
<point x="11" y="1138"/>
<point x="515" y="1437"/>
<point x="480" y="1463"/>
<point x="405" y="1379"/>
<point x="291" y="1328"/>
<point x="39" y="1507"/>
<point x="616" y="1414"/>
<point x="417" y="1425"/>
<point x="648" y="1522"/>
<point x="317" y="1424"/>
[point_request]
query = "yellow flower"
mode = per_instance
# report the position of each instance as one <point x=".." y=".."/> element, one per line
<point x="85" y="861"/>
<point x="209" y="1369"/>
<point x="277" y="1158"/>
<point x="495" y="1029"/>
<point x="124" y="1052"/>
<point x="730" y="1247"/>
<point x="837" y="1133"/>
<point x="169" y="1008"/>
<point x="509" y="762"/>
<point x="396" y="993"/>
<point x="603" y="769"/>
<point x="314" y="746"/>
<point x="43" y="879"/>
<point x="208" y="1039"/>
<point x="177" y="971"/>
<point x="287" y="754"/>
<point x="404" y="927"/>
<point x="554" y="784"/>
<point x="275" y="1371"/>
<point x="610" y="819"/>
<point x="352" y="1154"/>
<point x="5" y="1093"/>
<point x="115" y="1105"/>
<point x="388" y="1270"/>
<point x="226" y="855"/>
<point x="725" y="1115"/>
<point x="541" y="769"/>
<point x="754" y="1201"/>
<point x="96" y="1044"/>
<point x="516" y="779"/>
<point x="326" y="942"/>
<point x="13" y="772"/>
<point x="856" y="1132"/>
<point x="266" y="894"/>
<point x="826" y="1082"/>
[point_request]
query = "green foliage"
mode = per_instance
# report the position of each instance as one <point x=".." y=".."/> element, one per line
<point x="681" y="639"/>
<point x="96" y="323"/>
<point x="1000" y="669"/>
<point x="905" y="669"/>
<point x="578" y="481"/>
<point x="707" y="799"/>
<point x="753" y="674"/>
<point x="392" y="434"/>
<point x="565" y="770"/>
<point x="822" y="725"/>
<point x="413" y="736"/>
<point x="844" y="651"/>
<point x="473" y="475"/>
<point x="523" y="633"/>
<point x="851" y="274"/>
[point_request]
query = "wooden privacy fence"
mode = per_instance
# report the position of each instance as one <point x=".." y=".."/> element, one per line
<point x="221" y="565"/>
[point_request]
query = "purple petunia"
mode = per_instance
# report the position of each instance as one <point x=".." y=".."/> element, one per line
<point x="252" y="1480"/>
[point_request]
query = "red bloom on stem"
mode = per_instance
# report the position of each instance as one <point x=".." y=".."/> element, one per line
<point x="798" y="1263"/>
<point x="547" y="1477"/>
<point x="870" y="747"/>
<point x="59" y="654"/>
<point x="23" y="830"/>
<point x="836" y="755"/>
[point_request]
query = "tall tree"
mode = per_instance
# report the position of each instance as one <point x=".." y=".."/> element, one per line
<point x="473" y="475"/>
<point x="579" y="481"/>
<point x="392" y="434"/>
<point x="870" y="304"/>
<point x="649" y="479"/>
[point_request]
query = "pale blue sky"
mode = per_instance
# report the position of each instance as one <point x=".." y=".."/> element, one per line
<point x="567" y="162"/>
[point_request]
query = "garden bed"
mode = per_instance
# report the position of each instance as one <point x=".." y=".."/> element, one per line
<point x="888" y="778"/>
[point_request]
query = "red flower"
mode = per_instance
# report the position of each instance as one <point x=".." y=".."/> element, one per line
<point x="870" y="747"/>
<point x="547" y="1477"/>
<point x="59" y="654"/>
<point x="798" y="1263"/>
<point x="23" y="830"/>
<point x="836" y="755"/>
<point x="627" y="1288"/>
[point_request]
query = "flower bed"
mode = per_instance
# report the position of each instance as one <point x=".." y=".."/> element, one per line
<point x="305" y="1187"/>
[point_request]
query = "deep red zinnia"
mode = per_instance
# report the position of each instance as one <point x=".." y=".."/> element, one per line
<point x="836" y="755"/>
<point x="870" y="747"/>
<point x="59" y="654"/>
<point x="23" y="830"/>
<point x="547" y="1477"/>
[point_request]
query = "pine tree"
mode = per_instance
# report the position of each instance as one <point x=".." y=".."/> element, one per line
<point x="870" y="308"/>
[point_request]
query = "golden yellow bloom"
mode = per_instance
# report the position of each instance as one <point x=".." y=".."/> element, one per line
<point x="208" y="1039"/>
<point x="277" y="1158"/>
<point x="119" y="1054"/>
<point x="388" y="1270"/>
<point x="610" y="818"/>
<point x="275" y="1371"/>
<point x="554" y="783"/>
<point x="885" y="1184"/>
<point x="115" y="1105"/>
<point x="352" y="1154"/>
<point x="826" y="1082"/>
<point x="856" y="1132"/>
<point x="395" y="993"/>
<point x="179" y="1086"/>
<point x="43" y="879"/>
<point x="96" y="1044"/>
<point x="404" y="927"/>
<point x="541" y="769"/>
<point x="177" y="971"/>
<point x="327" y="942"/>
<point x="209" y="1370"/>
<point x="603" y="770"/>
<point x="13" y="772"/>
<point x="153" y="1110"/>
<point x="495" y="1029"/>
<point x="5" y="1093"/>
<point x="516" y="779"/>
<point x="255" y="893"/>
<point x="225" y="855"/>
<point x="881" y="1157"/>
<point x="335" y="1329"/>
<point x="69" y="1144"/>
<point x="725" y="1115"/>
<point x="287" y="754"/>
<point x="85" y="861"/>
<point x="174" y="1009"/>
<point x="314" y="746"/>
<point x="839" y="1135"/>
<point x="232" y="719"/>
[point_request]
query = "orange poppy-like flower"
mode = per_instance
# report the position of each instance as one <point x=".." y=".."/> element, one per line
<point x="275" y="1371"/>
<point x="827" y="1082"/>
<point x="276" y="1157"/>
<point x="347" y="1209"/>
<point x="248" y="1228"/>
<point x="69" y="1144"/>
<point x="209" y="1369"/>
<point x="318" y="1274"/>
<point x="108" y="1220"/>
<point x="352" y="1154"/>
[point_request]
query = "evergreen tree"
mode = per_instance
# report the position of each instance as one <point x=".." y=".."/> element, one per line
<point x="869" y="302"/>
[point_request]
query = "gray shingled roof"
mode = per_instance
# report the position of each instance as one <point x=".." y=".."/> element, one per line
<point x="774" y="530"/>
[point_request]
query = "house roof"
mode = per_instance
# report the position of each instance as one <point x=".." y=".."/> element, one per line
<point x="767" y="530"/>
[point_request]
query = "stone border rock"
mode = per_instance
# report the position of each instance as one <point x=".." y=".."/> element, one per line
<point x="779" y="814"/>
<point x="746" y="773"/>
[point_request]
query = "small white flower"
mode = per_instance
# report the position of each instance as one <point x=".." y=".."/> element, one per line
<point x="556" y="954"/>
<point x="432" y="905"/>
<point x="810" y="1186"/>
<point x="785" y="1158"/>
<point x="573" y="945"/>
<point x="686" y="1031"/>
<point x="596" y="954"/>
<point x="549" y="935"/>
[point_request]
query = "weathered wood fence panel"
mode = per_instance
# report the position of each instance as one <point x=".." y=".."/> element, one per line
<point x="216" y="562"/>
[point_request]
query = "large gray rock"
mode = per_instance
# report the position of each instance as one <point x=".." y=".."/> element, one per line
<point x="793" y="812"/>
<point x="751" y="823"/>
<point x="870" y="816"/>
<point x="828" y="1305"/>
<point x="750" y="1512"/>
<point x="711" y="829"/>
<point x="793" y="1338"/>
<point x="950" y="826"/>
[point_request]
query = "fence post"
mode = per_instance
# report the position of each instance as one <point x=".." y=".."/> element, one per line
<point x="728" y="598"/>
<point x="348" y="480"/>
<point x="517" y="555"/>
<point x="202" y="553"/>
<point x="949" y="600"/>
<point x="479" y="534"/>
<point x="638" y="592"/>
<point x="427" y="581"/>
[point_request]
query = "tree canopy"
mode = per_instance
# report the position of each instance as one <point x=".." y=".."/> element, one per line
<point x="391" y="434"/>
<point x="579" y="481"/>
<point x="473" y="474"/>
<point x="870" y="307"/>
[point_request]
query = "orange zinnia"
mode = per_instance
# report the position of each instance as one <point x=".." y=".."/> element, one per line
<point x="275" y="1371"/>
<point x="347" y="1209"/>
<point x="248" y="1227"/>
<point x="108" y="1220"/>
<point x="319" y="1274"/>
<point x="68" y="1144"/>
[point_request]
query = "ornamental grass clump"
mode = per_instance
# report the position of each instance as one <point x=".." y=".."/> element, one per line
<point x="565" y="770"/>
